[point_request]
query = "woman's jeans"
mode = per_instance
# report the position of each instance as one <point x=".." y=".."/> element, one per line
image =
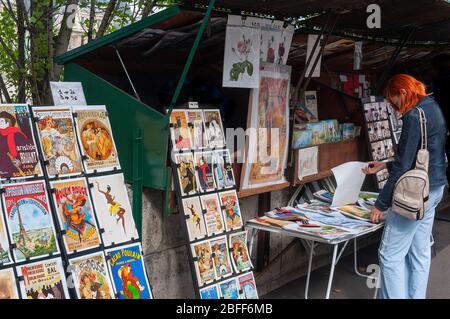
<point x="405" y="253"/>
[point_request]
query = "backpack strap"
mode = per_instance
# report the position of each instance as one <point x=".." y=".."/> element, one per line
<point x="423" y="129"/>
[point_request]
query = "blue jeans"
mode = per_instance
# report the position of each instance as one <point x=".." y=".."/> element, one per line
<point x="405" y="253"/>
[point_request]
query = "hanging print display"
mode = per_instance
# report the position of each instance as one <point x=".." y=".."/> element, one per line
<point x="186" y="173"/>
<point x="223" y="169"/>
<point x="229" y="289"/>
<point x="194" y="221"/>
<point x="113" y="209"/>
<point x="269" y="119"/>
<point x="197" y="129"/>
<point x="5" y="256"/>
<point x="239" y="252"/>
<point x="204" y="171"/>
<point x="18" y="154"/>
<point x="231" y="211"/>
<point x="242" y="52"/>
<point x="128" y="272"/>
<point x="204" y="267"/>
<point x="58" y="140"/>
<point x="91" y="278"/>
<point x="96" y="139"/>
<point x="43" y="280"/>
<point x="8" y="288"/>
<point x="179" y="130"/>
<point x="214" y="128"/>
<point x="221" y="257"/>
<point x="248" y="286"/>
<point x="210" y="292"/>
<point x="29" y="220"/>
<point x="213" y="216"/>
<point x="271" y="40"/>
<point x="75" y="214"/>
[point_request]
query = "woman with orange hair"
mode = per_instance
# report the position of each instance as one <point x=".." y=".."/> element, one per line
<point x="405" y="249"/>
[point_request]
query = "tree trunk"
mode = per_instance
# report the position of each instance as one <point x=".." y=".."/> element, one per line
<point x="148" y="7"/>
<point x="90" y="32"/>
<point x="21" y="72"/>
<point x="106" y="18"/>
<point x="4" y="91"/>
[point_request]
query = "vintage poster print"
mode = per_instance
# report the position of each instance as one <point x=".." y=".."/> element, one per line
<point x="242" y="52"/>
<point x="75" y="214"/>
<point x="18" y="153"/>
<point x="91" y="278"/>
<point x="29" y="220"/>
<point x="8" y="288"/>
<point x="204" y="171"/>
<point x="269" y="118"/>
<point x="231" y="211"/>
<point x="214" y="128"/>
<point x="67" y="93"/>
<point x="5" y="256"/>
<point x="43" y="280"/>
<point x="229" y="289"/>
<point x="248" y="286"/>
<point x="96" y="138"/>
<point x="179" y="131"/>
<point x="239" y="252"/>
<point x="128" y="273"/>
<point x="113" y="209"/>
<point x="197" y="129"/>
<point x="223" y="169"/>
<point x="195" y="223"/>
<point x="210" y="292"/>
<point x="221" y="257"/>
<point x="58" y="140"/>
<point x="213" y="215"/>
<point x="186" y="173"/>
<point x="204" y="266"/>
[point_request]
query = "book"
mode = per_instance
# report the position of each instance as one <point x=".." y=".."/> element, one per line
<point x="355" y="211"/>
<point x="324" y="196"/>
<point x="302" y="138"/>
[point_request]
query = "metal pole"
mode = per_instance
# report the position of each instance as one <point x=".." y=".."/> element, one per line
<point x="333" y="265"/>
<point x="128" y="76"/>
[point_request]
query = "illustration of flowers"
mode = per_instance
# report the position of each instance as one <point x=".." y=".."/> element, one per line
<point x="242" y="51"/>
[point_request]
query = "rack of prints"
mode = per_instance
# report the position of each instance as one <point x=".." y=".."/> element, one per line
<point x="206" y="192"/>
<point x="380" y="133"/>
<point x="33" y="228"/>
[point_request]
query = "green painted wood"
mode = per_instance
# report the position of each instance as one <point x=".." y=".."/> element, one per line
<point x="138" y="147"/>
<point x="127" y="114"/>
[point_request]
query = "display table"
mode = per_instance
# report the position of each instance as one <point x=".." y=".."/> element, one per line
<point x="313" y="241"/>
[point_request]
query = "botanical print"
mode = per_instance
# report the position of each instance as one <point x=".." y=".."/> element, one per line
<point x="186" y="173"/>
<point x="210" y="292"/>
<point x="242" y="52"/>
<point x="269" y="117"/>
<point x="285" y="44"/>
<point x="213" y="215"/>
<point x="271" y="43"/>
<point x="231" y="211"/>
<point x="58" y="140"/>
<point x="229" y="289"/>
<point x="204" y="171"/>
<point x="223" y="169"/>
<point x="113" y="209"/>
<point x="221" y="257"/>
<point x="179" y="131"/>
<point x="204" y="267"/>
<point x="195" y="223"/>
<point x="96" y="139"/>
<point x="43" y="280"/>
<point x="91" y="278"/>
<point x="67" y="93"/>
<point x="18" y="154"/>
<point x="75" y="214"/>
<point x="5" y="256"/>
<point x="239" y="252"/>
<point x="248" y="286"/>
<point x="29" y="220"/>
<point x="8" y="288"/>
<point x="128" y="273"/>
<point x="214" y="128"/>
<point x="197" y="129"/>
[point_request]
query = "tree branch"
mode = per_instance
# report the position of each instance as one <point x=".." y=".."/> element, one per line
<point x="107" y="18"/>
<point x="91" y="21"/>
<point x="4" y="90"/>
<point x="148" y="7"/>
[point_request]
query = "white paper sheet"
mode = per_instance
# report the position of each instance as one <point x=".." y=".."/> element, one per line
<point x="307" y="161"/>
<point x="67" y="93"/>
<point x="349" y="178"/>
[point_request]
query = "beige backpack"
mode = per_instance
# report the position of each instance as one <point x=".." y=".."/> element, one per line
<point x="411" y="191"/>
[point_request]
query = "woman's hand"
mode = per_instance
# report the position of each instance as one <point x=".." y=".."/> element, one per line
<point x="373" y="167"/>
<point x="376" y="215"/>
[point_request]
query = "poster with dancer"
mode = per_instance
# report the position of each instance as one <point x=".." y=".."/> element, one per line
<point x="229" y="289"/>
<point x="214" y="129"/>
<point x="231" y="211"/>
<point x="43" y="280"/>
<point x="75" y="214"/>
<point x="204" y="171"/>
<point x="96" y="138"/>
<point x="8" y="287"/>
<point x="91" y="278"/>
<point x="179" y="131"/>
<point x="18" y="153"/>
<point x="197" y="129"/>
<point x="221" y="257"/>
<point x="204" y="267"/>
<point x="223" y="169"/>
<point x="194" y="218"/>
<point x="186" y="173"/>
<point x="242" y="52"/>
<point x="210" y="292"/>
<point x="248" y="286"/>
<point x="239" y="252"/>
<point x="113" y="209"/>
<point x="29" y="220"/>
<point x="213" y="216"/>
<point x="269" y="118"/>
<point x="126" y="266"/>
<point x="5" y="255"/>
<point x="56" y="135"/>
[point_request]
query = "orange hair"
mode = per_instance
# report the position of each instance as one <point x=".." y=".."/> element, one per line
<point x="415" y="90"/>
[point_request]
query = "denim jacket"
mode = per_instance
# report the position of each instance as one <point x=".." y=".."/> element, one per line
<point x="409" y="144"/>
